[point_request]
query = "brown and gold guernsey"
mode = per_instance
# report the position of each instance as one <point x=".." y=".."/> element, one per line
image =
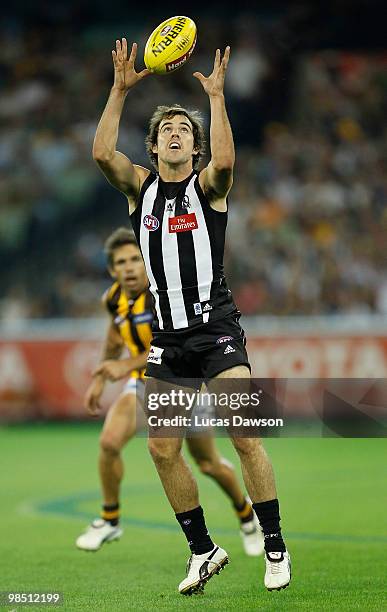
<point x="133" y="318"/>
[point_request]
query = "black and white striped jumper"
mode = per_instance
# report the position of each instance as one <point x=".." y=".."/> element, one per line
<point x="182" y="243"/>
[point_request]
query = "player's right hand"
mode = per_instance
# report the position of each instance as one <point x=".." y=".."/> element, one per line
<point x="125" y="75"/>
<point x="93" y="395"/>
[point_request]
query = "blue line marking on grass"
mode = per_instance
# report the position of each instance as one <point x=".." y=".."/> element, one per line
<point x="69" y="507"/>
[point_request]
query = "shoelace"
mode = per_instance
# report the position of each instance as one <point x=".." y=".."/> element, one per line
<point x="275" y="567"/>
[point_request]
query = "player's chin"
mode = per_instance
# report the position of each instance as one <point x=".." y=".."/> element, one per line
<point x="177" y="157"/>
<point x="132" y="283"/>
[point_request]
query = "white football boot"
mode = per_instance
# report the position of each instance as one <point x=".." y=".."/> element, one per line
<point x="98" y="533"/>
<point x="252" y="537"/>
<point x="200" y="568"/>
<point x="278" y="570"/>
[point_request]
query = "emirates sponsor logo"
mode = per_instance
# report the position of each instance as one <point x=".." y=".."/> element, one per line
<point x="182" y="223"/>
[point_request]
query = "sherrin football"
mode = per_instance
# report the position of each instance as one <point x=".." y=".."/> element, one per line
<point x="170" y="45"/>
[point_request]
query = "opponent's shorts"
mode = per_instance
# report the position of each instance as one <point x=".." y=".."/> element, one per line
<point x="134" y="386"/>
<point x="199" y="353"/>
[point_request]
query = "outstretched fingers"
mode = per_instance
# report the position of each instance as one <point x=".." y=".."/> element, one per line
<point x="133" y="54"/>
<point x="217" y="59"/>
<point x="124" y="46"/>
<point x="117" y="55"/>
<point x="226" y="58"/>
<point x="121" y="52"/>
<point x="200" y="76"/>
<point x="118" y="49"/>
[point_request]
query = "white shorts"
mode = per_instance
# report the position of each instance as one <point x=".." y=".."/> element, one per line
<point x="134" y="386"/>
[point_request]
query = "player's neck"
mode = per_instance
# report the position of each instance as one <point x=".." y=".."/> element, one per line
<point x="175" y="173"/>
<point x="133" y="294"/>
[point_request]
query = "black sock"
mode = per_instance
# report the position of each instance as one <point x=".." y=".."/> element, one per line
<point x="269" y="518"/>
<point x="195" y="530"/>
<point x="111" y="514"/>
<point x="244" y="512"/>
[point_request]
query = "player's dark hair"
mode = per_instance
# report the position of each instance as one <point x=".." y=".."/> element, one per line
<point x="168" y="112"/>
<point x="117" y="239"/>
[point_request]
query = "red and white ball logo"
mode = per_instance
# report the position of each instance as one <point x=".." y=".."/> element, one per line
<point x="151" y="222"/>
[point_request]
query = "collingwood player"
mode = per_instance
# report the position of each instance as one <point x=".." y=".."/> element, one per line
<point x="179" y="216"/>
<point x="130" y="308"/>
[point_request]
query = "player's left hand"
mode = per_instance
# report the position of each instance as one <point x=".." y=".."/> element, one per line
<point x="113" y="369"/>
<point x="213" y="84"/>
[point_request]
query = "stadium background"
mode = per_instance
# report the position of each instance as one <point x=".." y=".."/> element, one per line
<point x="307" y="97"/>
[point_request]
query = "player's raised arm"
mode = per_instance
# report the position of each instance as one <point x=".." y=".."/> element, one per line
<point x="218" y="174"/>
<point x="117" y="168"/>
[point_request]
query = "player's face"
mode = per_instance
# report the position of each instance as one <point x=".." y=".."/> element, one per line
<point x="128" y="269"/>
<point x="175" y="140"/>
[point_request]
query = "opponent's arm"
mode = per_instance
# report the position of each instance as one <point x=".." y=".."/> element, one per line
<point x="113" y="345"/>
<point x="117" y="168"/>
<point x="217" y="177"/>
<point x="112" y="349"/>
<point x="115" y="369"/>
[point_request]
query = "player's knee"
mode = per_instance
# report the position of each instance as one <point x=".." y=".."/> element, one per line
<point x="212" y="467"/>
<point x="245" y="446"/>
<point x="208" y="468"/>
<point x="110" y="443"/>
<point x="163" y="451"/>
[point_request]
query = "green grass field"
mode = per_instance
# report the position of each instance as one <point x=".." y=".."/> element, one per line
<point x="332" y="505"/>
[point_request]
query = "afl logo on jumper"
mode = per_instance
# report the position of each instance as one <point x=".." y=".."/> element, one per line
<point x="151" y="222"/>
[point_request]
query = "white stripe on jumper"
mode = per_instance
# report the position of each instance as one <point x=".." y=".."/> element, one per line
<point x="202" y="246"/>
<point x="172" y="274"/>
<point x="147" y="207"/>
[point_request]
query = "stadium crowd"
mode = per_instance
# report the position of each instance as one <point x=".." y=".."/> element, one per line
<point x="307" y="218"/>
